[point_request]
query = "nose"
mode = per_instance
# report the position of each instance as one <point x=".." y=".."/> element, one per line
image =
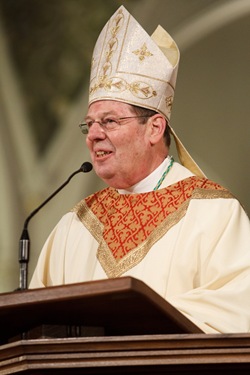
<point x="96" y="131"/>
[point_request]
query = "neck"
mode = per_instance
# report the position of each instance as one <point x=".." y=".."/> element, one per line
<point x="149" y="183"/>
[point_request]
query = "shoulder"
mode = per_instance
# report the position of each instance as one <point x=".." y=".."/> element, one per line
<point x="181" y="179"/>
<point x="202" y="188"/>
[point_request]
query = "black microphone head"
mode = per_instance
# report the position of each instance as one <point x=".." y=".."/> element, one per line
<point x="86" y="167"/>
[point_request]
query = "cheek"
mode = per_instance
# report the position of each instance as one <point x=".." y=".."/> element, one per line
<point x="130" y="147"/>
<point x="139" y="143"/>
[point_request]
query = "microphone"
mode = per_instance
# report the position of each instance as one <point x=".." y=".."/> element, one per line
<point x="24" y="242"/>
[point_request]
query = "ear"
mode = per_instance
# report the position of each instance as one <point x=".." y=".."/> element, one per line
<point x="157" y="128"/>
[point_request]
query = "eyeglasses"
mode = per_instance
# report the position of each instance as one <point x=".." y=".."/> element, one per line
<point x="109" y="123"/>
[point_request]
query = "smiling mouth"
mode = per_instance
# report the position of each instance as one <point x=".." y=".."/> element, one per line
<point x="99" y="154"/>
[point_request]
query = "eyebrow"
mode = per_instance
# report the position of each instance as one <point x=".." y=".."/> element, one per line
<point x="104" y="114"/>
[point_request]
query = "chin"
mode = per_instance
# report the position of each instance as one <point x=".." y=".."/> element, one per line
<point x="107" y="177"/>
<point x="111" y="181"/>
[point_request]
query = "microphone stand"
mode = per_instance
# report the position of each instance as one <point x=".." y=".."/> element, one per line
<point x="24" y="242"/>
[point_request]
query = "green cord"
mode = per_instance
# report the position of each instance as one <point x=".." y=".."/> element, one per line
<point x="165" y="173"/>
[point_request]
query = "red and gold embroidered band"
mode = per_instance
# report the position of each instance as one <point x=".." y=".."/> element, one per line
<point x="126" y="226"/>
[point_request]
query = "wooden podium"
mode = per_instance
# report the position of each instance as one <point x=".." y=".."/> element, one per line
<point x="113" y="326"/>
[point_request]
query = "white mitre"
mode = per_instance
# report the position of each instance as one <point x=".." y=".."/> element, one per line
<point x="131" y="67"/>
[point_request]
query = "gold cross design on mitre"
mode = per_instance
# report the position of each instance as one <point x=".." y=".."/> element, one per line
<point x="143" y="52"/>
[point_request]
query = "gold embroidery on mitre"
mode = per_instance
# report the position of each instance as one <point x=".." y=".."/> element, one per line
<point x="127" y="226"/>
<point x="143" y="52"/>
<point x="142" y="88"/>
<point x="139" y="89"/>
<point x="111" y="47"/>
<point x="169" y="102"/>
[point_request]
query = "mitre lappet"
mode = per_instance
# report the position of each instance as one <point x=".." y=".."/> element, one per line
<point x="130" y="66"/>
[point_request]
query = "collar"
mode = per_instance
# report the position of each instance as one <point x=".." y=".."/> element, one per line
<point x="148" y="183"/>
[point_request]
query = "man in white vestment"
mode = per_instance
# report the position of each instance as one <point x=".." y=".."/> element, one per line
<point x="158" y="220"/>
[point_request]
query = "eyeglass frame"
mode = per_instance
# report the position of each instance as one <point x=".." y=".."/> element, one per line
<point x="116" y="120"/>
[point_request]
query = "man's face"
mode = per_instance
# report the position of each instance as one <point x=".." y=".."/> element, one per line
<point x="121" y="157"/>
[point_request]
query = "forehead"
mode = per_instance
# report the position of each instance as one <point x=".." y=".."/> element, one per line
<point x="103" y="107"/>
